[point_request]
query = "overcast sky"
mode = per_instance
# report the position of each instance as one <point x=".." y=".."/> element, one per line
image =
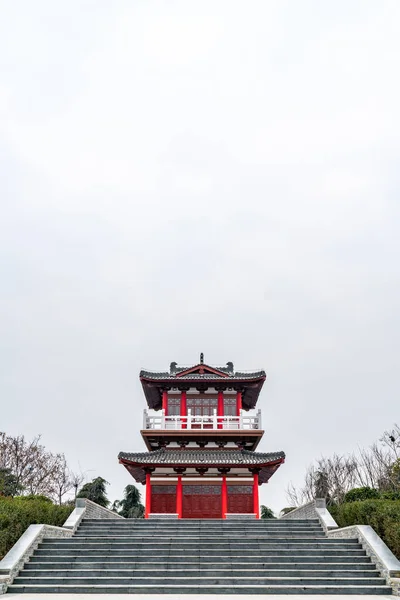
<point x="180" y="177"/>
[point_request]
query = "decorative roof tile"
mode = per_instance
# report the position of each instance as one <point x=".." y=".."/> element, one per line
<point x="201" y="456"/>
<point x="237" y="376"/>
<point x="200" y="376"/>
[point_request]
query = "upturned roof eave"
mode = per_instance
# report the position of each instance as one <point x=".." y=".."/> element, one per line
<point x="210" y="465"/>
<point x="152" y="387"/>
<point x="265" y="471"/>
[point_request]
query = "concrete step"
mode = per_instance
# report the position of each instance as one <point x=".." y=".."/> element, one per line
<point x="238" y="559"/>
<point x="186" y="526"/>
<point x="200" y="530"/>
<point x="187" y="557"/>
<point x="210" y="552"/>
<point x="88" y="542"/>
<point x="199" y="580"/>
<point x="203" y="571"/>
<point x="203" y="589"/>
<point x="199" y="536"/>
<point x="187" y="565"/>
<point x="211" y="544"/>
<point x="200" y="522"/>
<point x="90" y="531"/>
<point x="87" y="531"/>
<point x="203" y="523"/>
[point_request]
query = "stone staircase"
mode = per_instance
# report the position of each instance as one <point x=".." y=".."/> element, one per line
<point x="206" y="557"/>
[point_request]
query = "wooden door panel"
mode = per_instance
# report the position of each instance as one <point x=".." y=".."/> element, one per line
<point x="201" y="502"/>
<point x="163" y="499"/>
<point x="240" y="499"/>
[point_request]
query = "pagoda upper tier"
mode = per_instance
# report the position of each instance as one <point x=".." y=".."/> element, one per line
<point x="202" y="377"/>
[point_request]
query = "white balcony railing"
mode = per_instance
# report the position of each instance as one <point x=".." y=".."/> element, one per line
<point x="160" y="421"/>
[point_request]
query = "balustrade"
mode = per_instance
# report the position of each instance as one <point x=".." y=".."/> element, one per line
<point x="161" y="421"/>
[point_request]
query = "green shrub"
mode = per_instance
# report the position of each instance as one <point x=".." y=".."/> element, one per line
<point x="361" y="493"/>
<point x="288" y="509"/>
<point x="382" y="515"/>
<point x="36" y="497"/>
<point x="16" y="514"/>
<point x="390" y="495"/>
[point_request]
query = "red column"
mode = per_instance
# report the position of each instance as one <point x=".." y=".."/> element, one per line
<point x="238" y="403"/>
<point x="179" y="494"/>
<point x="224" y="497"/>
<point x="183" y="407"/>
<point x="147" y="509"/>
<point x="256" y="506"/>
<point x="165" y="402"/>
<point x="220" y="408"/>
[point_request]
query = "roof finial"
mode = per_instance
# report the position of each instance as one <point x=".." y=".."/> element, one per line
<point x="201" y="358"/>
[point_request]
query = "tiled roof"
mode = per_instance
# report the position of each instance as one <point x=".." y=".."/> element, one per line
<point x="202" y="376"/>
<point x="238" y="376"/>
<point x="201" y="456"/>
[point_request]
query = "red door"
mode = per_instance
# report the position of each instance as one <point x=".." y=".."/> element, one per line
<point x="163" y="499"/>
<point x="240" y="499"/>
<point x="201" y="502"/>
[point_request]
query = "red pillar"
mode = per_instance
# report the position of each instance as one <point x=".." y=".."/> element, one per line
<point x="147" y="509"/>
<point x="224" y="497"/>
<point x="165" y="402"/>
<point x="238" y="403"/>
<point x="183" y="407"/>
<point x="220" y="408"/>
<point x="256" y="505"/>
<point x="179" y="494"/>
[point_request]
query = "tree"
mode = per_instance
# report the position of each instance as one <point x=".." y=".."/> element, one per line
<point x="64" y="480"/>
<point x="267" y="513"/>
<point x="36" y="471"/>
<point x="376" y="467"/>
<point x="8" y="483"/>
<point x="130" y="507"/>
<point x="95" y="491"/>
<point x="321" y="484"/>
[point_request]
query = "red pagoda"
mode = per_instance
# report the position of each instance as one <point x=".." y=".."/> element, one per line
<point x="201" y="429"/>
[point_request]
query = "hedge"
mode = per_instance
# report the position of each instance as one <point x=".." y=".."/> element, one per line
<point x="382" y="515"/>
<point x="16" y="514"/>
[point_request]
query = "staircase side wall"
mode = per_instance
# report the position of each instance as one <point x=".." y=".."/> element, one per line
<point x="316" y="509"/>
<point x="95" y="511"/>
<point x="23" y="549"/>
<point x="376" y="549"/>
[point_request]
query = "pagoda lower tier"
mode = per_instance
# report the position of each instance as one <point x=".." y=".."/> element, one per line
<point x="201" y="483"/>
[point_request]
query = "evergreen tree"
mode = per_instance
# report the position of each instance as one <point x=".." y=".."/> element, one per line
<point x="131" y="507"/>
<point x="95" y="491"/>
<point x="266" y="513"/>
<point x="9" y="484"/>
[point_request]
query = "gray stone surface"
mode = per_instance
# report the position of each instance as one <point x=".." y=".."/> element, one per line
<point x="75" y="518"/>
<point x="20" y="553"/>
<point x="316" y="509"/>
<point x="94" y="511"/>
<point x="163" y="516"/>
<point x="375" y="547"/>
<point x="183" y="557"/>
<point x="156" y="596"/>
<point x="240" y="516"/>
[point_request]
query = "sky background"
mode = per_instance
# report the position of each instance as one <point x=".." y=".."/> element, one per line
<point x="207" y="176"/>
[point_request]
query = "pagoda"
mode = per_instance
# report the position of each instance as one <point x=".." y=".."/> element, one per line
<point x="201" y="430"/>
